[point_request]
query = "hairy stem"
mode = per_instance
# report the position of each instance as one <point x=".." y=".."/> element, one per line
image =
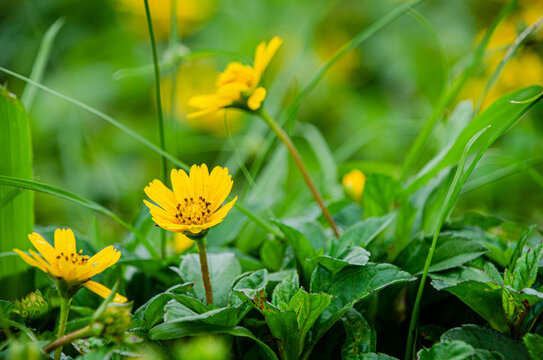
<point x="205" y="269"/>
<point x="283" y="136"/>
<point x="64" y="310"/>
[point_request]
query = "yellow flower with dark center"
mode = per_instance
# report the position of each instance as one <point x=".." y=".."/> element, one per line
<point x="194" y="205"/>
<point x="64" y="263"/>
<point x="238" y="86"/>
<point x="354" y="183"/>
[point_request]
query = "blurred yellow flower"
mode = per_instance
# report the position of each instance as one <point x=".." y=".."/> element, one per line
<point x="238" y="86"/>
<point x="64" y="263"/>
<point x="353" y="183"/>
<point x="192" y="78"/>
<point x="190" y="14"/>
<point x="194" y="205"/>
<point x="181" y="242"/>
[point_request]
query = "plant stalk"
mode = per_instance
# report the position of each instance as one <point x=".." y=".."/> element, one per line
<point x="202" y="252"/>
<point x="283" y="136"/>
<point x="163" y="165"/>
<point x="66" y="339"/>
<point x="64" y="310"/>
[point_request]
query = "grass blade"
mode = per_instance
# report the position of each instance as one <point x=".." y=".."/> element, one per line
<point x="17" y="211"/>
<point x="51" y="190"/>
<point x="41" y="61"/>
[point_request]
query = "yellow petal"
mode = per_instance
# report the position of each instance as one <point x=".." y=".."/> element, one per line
<point x="161" y="195"/>
<point x="221" y="213"/>
<point x="181" y="185"/>
<point x="256" y="98"/>
<point x="30" y="261"/>
<point x="43" y="247"/>
<point x="103" y="291"/>
<point x="182" y="242"/>
<point x="264" y="54"/>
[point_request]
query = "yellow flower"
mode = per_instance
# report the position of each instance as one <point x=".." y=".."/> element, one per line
<point x="181" y="242"/>
<point x="63" y="262"/>
<point x="194" y="205"/>
<point x="238" y="86"/>
<point x="353" y="183"/>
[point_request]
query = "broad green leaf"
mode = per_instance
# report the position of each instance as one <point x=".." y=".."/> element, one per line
<point x="17" y="212"/>
<point x="176" y="313"/>
<point x="349" y="286"/>
<point x="250" y="284"/>
<point x="375" y="356"/>
<point x="488" y="273"/>
<point x="362" y="233"/>
<point x="284" y="328"/>
<point x="487" y="339"/>
<point x="521" y="308"/>
<point x="272" y="253"/>
<point x="454" y="350"/>
<point x="303" y="250"/>
<point x="361" y="337"/>
<point x="483" y="298"/>
<point x="224" y="268"/>
<point x="286" y="289"/>
<point x="534" y="343"/>
<point x="519" y="248"/>
<point x="350" y="256"/>
<point x="308" y="308"/>
<point x="380" y="194"/>
<point x="525" y="271"/>
<point x="452" y="250"/>
<point x="501" y="115"/>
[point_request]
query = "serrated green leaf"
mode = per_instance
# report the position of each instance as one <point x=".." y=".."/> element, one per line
<point x="361" y="337"/>
<point x="380" y="194"/>
<point x="454" y="350"/>
<point x="362" y="233"/>
<point x="286" y="289"/>
<point x="303" y="250"/>
<point x="355" y="255"/>
<point x="487" y="339"/>
<point x="525" y="271"/>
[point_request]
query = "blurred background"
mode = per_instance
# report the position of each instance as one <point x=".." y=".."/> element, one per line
<point x="370" y="105"/>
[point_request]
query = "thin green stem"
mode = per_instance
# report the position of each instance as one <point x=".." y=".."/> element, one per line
<point x="66" y="339"/>
<point x="202" y="252"/>
<point x="283" y="136"/>
<point x="162" y="142"/>
<point x="64" y="310"/>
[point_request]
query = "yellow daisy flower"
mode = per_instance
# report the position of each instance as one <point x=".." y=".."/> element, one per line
<point x="64" y="262"/>
<point x="238" y="86"/>
<point x="354" y="183"/>
<point x="194" y="205"/>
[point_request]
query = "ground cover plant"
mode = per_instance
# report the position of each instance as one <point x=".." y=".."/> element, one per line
<point x="271" y="179"/>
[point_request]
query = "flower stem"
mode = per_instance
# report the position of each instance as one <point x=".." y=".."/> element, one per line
<point x="283" y="136"/>
<point x="64" y="309"/>
<point x="60" y="342"/>
<point x="205" y="270"/>
<point x="163" y="165"/>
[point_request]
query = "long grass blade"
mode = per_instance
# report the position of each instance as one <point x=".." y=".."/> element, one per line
<point x="51" y="190"/>
<point x="41" y="61"/>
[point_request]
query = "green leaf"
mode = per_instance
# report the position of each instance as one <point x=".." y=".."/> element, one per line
<point x="525" y="271"/>
<point x="487" y="339"/>
<point x="483" y="298"/>
<point x="17" y="213"/>
<point x="286" y="289"/>
<point x="362" y="233"/>
<point x="303" y="250"/>
<point x="350" y="256"/>
<point x="519" y="248"/>
<point x="272" y="253"/>
<point x="361" y="337"/>
<point x="488" y="273"/>
<point x="375" y="356"/>
<point x="501" y="115"/>
<point x="349" y="286"/>
<point x="250" y="284"/>
<point x="454" y="350"/>
<point x="452" y="250"/>
<point x="224" y="268"/>
<point x="380" y="194"/>
<point x="308" y="308"/>
<point x="534" y="343"/>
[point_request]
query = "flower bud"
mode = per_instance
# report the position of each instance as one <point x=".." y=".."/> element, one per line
<point x="32" y="306"/>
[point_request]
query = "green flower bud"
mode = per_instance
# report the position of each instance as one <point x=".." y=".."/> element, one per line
<point x="115" y="320"/>
<point x="32" y="306"/>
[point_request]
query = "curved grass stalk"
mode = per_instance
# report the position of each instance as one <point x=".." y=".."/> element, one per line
<point x="450" y="199"/>
<point x="450" y="94"/>
<point x="29" y="92"/>
<point x="51" y="190"/>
